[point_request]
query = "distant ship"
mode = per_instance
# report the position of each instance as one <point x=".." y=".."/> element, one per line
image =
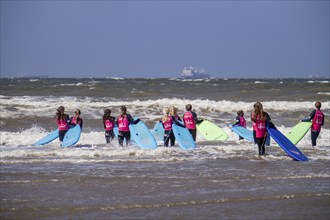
<point x="190" y="72"/>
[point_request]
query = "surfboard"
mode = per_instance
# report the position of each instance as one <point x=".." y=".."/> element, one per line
<point x="286" y="145"/>
<point x="183" y="137"/>
<point x="211" y="131"/>
<point x="298" y="132"/>
<point x="72" y="136"/>
<point x="48" y="138"/>
<point x="243" y="132"/>
<point x="142" y="136"/>
<point x="158" y="131"/>
<point x="115" y="131"/>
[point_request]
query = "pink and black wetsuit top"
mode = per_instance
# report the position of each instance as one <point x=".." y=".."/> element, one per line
<point x="109" y="124"/>
<point x="62" y="124"/>
<point x="189" y="119"/>
<point x="260" y="126"/>
<point x="318" y="120"/>
<point x="242" y="121"/>
<point x="168" y="124"/>
<point x="124" y="121"/>
<point x="76" y="120"/>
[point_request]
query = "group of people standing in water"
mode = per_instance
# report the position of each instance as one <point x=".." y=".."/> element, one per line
<point x="260" y="121"/>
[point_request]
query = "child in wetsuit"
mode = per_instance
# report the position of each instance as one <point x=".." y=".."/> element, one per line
<point x="109" y="124"/>
<point x="62" y="121"/>
<point x="167" y="122"/>
<point x="190" y="120"/>
<point x="123" y="122"/>
<point x="317" y="118"/>
<point x="261" y="120"/>
<point x="76" y="119"/>
<point x="240" y="121"/>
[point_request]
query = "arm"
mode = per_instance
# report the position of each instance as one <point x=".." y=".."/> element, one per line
<point x="269" y="122"/>
<point x="177" y="122"/>
<point x="236" y="121"/>
<point x="131" y="120"/>
<point x="311" y="116"/>
<point x="197" y="121"/>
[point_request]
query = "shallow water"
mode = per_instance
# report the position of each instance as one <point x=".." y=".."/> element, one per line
<point x="217" y="180"/>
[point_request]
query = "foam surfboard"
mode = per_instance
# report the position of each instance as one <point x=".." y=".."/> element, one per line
<point x="211" y="131"/>
<point x="298" y="132"/>
<point x="158" y="131"/>
<point x="141" y="134"/>
<point x="286" y="145"/>
<point x="267" y="141"/>
<point x="72" y="136"/>
<point x="243" y="132"/>
<point x="183" y="137"/>
<point x="48" y="138"/>
<point x="116" y="131"/>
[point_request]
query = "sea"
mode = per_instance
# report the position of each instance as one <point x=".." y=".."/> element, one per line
<point x="216" y="180"/>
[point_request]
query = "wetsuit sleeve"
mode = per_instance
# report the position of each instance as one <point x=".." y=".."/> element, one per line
<point x="237" y="121"/>
<point x="269" y="122"/>
<point x="311" y="116"/>
<point x="177" y="122"/>
<point x="81" y="123"/>
<point x="131" y="120"/>
<point x="197" y="121"/>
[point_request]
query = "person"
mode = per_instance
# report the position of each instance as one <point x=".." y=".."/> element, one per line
<point x="240" y="121"/>
<point x="190" y="120"/>
<point x="76" y="119"/>
<point x="167" y="122"/>
<point x="262" y="120"/>
<point x="317" y="118"/>
<point x="123" y="122"/>
<point x="254" y="124"/>
<point x="109" y="124"/>
<point x="62" y="121"/>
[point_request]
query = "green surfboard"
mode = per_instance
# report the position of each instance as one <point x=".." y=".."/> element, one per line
<point x="211" y="131"/>
<point x="298" y="132"/>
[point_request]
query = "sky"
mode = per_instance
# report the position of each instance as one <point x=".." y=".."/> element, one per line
<point x="232" y="39"/>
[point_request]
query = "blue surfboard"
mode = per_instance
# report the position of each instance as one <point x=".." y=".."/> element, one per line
<point x="116" y="130"/>
<point x="267" y="141"/>
<point x="183" y="137"/>
<point x="158" y="131"/>
<point x="286" y="145"/>
<point x="243" y="132"/>
<point x="142" y="136"/>
<point x="49" y="138"/>
<point x="72" y="136"/>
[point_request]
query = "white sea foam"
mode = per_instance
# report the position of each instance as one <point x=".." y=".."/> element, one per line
<point x="16" y="147"/>
<point x="44" y="106"/>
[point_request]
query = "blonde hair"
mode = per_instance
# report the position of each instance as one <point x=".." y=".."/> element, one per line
<point x="173" y="111"/>
<point x="258" y="110"/>
<point x="166" y="112"/>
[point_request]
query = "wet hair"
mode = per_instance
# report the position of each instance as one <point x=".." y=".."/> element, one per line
<point x="107" y="114"/>
<point x="77" y="111"/>
<point x="188" y="107"/>
<point x="240" y="112"/>
<point x="318" y="105"/>
<point x="123" y="109"/>
<point x="60" y="113"/>
<point x="166" y="112"/>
